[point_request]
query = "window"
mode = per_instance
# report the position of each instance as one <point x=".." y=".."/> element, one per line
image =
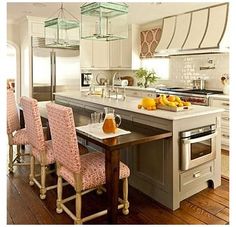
<point x="159" y="65"/>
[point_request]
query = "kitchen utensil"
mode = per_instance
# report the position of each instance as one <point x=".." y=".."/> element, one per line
<point x="109" y="124"/>
<point x="199" y="84"/>
<point x="130" y="80"/>
<point x="100" y="80"/>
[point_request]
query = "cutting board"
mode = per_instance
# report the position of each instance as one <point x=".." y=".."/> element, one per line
<point x="174" y="108"/>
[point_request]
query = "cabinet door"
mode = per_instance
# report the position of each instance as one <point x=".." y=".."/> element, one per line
<point x="100" y="54"/>
<point x="86" y="53"/>
<point x="115" y="54"/>
<point x="37" y="29"/>
<point x="126" y="52"/>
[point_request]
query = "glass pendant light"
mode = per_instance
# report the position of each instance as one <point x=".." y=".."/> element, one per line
<point x="61" y="32"/>
<point x="104" y="21"/>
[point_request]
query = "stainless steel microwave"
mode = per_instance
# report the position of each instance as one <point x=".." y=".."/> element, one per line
<point x="197" y="146"/>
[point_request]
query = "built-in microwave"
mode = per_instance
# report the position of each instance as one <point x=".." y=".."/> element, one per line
<point x="197" y="146"/>
<point x="86" y="79"/>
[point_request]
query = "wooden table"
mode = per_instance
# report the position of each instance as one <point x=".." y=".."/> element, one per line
<point x="112" y="149"/>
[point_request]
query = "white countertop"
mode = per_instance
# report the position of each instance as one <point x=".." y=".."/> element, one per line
<point x="131" y="104"/>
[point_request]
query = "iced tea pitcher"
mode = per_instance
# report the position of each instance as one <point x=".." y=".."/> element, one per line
<point x="109" y="124"/>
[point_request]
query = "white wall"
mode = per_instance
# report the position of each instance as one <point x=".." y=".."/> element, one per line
<point x="13" y="33"/>
<point x="184" y="69"/>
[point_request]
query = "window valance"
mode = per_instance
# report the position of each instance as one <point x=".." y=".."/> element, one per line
<point x="149" y="42"/>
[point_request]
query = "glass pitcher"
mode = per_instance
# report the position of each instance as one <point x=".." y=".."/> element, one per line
<point x="109" y="124"/>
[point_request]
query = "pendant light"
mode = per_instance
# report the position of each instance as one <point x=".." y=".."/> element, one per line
<point x="62" y="32"/>
<point x="105" y="21"/>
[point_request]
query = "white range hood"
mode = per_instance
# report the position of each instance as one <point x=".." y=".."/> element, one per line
<point x="195" y="32"/>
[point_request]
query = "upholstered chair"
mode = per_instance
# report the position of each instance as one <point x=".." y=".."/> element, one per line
<point x="41" y="150"/>
<point x="84" y="172"/>
<point x="16" y="135"/>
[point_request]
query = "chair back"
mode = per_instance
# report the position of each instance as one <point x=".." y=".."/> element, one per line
<point x="33" y="123"/>
<point x="13" y="122"/>
<point x="64" y="139"/>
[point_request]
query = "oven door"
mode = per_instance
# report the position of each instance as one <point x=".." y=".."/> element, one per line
<point x="198" y="150"/>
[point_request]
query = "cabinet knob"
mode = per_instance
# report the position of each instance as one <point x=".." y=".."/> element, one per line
<point x="197" y="174"/>
<point x="225" y="104"/>
<point x="225" y="118"/>
<point x="226" y="136"/>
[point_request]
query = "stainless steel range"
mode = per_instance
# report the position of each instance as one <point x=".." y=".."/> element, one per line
<point x="195" y="96"/>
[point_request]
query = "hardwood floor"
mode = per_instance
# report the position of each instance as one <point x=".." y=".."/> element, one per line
<point x="25" y="207"/>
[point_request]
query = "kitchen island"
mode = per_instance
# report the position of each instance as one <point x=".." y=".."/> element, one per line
<point x="156" y="166"/>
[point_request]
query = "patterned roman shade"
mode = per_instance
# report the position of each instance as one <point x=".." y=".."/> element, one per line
<point x="149" y="42"/>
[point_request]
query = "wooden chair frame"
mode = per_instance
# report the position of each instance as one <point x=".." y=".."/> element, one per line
<point x="78" y="199"/>
<point x="17" y="160"/>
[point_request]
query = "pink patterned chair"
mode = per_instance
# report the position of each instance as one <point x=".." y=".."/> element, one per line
<point x="41" y="149"/>
<point x="16" y="135"/>
<point x="84" y="172"/>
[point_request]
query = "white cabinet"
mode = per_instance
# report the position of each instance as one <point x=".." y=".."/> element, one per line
<point x="223" y="103"/>
<point x="37" y="28"/>
<point x="94" y="54"/>
<point x="124" y="54"/>
<point x="100" y="55"/>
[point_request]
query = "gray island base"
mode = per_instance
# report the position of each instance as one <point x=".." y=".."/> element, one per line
<point x="155" y="166"/>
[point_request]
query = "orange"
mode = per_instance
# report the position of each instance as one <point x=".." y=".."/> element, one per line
<point x="171" y="98"/>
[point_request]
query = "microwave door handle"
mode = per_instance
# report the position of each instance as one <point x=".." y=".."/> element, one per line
<point x="199" y="139"/>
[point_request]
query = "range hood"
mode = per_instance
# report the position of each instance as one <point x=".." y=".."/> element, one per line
<point x="195" y="32"/>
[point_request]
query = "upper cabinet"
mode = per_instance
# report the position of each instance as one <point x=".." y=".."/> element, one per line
<point x="124" y="54"/>
<point x="118" y="54"/>
<point x="94" y="54"/>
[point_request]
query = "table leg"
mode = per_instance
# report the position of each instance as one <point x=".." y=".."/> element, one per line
<point x="112" y="164"/>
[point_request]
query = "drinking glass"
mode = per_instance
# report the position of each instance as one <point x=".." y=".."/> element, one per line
<point x="95" y="120"/>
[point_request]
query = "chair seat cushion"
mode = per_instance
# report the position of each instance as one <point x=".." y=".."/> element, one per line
<point x="92" y="171"/>
<point x="20" y="137"/>
<point x="49" y="153"/>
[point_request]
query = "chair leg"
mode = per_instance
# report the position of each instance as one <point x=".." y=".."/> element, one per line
<point x="125" y="210"/>
<point x="18" y="157"/>
<point x="59" y="195"/>
<point x="78" y="205"/>
<point x="32" y="170"/>
<point x="10" y="164"/>
<point x="43" y="179"/>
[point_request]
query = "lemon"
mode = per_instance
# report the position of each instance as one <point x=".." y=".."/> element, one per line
<point x="148" y="102"/>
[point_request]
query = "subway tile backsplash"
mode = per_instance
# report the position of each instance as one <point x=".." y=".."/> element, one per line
<point x="184" y="69"/>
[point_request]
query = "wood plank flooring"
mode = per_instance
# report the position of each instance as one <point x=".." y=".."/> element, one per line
<point x="25" y="207"/>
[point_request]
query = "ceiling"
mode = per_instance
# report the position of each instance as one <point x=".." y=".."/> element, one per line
<point x="139" y="13"/>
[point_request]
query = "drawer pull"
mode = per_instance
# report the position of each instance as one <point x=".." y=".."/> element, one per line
<point x="225" y="104"/>
<point x="226" y="136"/>
<point x="197" y="174"/>
<point x="225" y="118"/>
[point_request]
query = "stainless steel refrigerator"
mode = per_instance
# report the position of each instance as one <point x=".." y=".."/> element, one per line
<point x="53" y="70"/>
